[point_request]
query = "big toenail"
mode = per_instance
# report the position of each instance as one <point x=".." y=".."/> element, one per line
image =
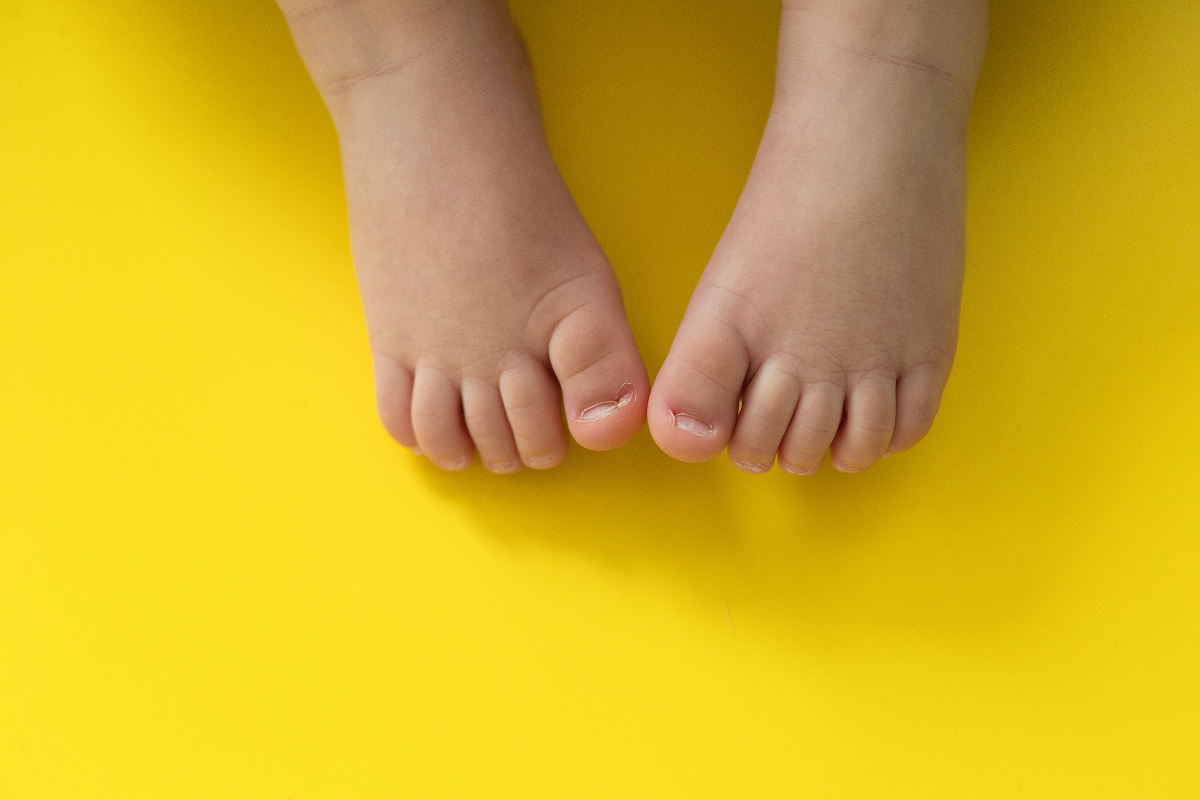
<point x="792" y="469"/>
<point x="843" y="467"/>
<point x="686" y="422"/>
<point x="541" y="462"/>
<point x="750" y="466"/>
<point x="625" y="395"/>
<point x="505" y="468"/>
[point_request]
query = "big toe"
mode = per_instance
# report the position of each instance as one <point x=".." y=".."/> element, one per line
<point x="604" y="382"/>
<point x="694" y="405"/>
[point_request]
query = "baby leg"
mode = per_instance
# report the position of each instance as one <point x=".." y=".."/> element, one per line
<point x="489" y="304"/>
<point x="829" y="309"/>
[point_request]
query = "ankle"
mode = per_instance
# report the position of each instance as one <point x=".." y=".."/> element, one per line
<point x="348" y="44"/>
<point x="940" y="39"/>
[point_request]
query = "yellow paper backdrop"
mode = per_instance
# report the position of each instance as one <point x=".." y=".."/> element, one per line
<point x="219" y="577"/>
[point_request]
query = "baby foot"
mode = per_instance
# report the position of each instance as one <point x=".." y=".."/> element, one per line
<point x="829" y="308"/>
<point x="484" y="291"/>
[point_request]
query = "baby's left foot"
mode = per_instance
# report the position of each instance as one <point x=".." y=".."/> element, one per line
<point x="830" y="306"/>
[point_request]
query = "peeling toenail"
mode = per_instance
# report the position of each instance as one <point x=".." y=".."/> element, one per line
<point x="686" y="422"/>
<point x="842" y="467"/>
<point x="541" y="462"/>
<point x="505" y="468"/>
<point x="625" y="395"/>
<point x="750" y="466"/>
<point x="791" y="469"/>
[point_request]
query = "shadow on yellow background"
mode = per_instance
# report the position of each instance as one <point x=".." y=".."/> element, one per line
<point x="219" y="577"/>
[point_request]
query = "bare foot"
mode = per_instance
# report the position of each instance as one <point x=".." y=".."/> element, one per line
<point x="485" y="293"/>
<point x="830" y="306"/>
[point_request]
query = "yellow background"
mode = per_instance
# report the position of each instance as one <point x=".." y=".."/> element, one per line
<point x="219" y="577"/>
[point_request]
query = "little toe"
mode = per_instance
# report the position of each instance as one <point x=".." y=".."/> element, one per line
<point x="869" y="421"/>
<point x="768" y="405"/>
<point x="604" y="382"/>
<point x="694" y="402"/>
<point x="393" y="398"/>
<point x="483" y="410"/>
<point x="437" y="420"/>
<point x="918" y="396"/>
<point x="812" y="428"/>
<point x="531" y="404"/>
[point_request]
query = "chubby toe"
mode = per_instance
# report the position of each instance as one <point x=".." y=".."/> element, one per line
<point x="812" y="428"/>
<point x="530" y="397"/>
<point x="694" y="403"/>
<point x="869" y="421"/>
<point x="437" y="420"/>
<point x="483" y="411"/>
<point x="768" y="405"/>
<point x="604" y="382"/>
<point x="393" y="398"/>
<point x="918" y="397"/>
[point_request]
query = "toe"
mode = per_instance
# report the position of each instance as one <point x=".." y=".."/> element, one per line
<point x="531" y="404"/>
<point x="483" y="410"/>
<point x="393" y="398"/>
<point x="603" y="379"/>
<point x="869" y="421"/>
<point x="812" y="428"/>
<point x="437" y="420"/>
<point x="693" y="406"/>
<point x="918" y="396"/>
<point x="768" y="405"/>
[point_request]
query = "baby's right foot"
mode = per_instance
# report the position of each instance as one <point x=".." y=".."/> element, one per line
<point x="485" y="293"/>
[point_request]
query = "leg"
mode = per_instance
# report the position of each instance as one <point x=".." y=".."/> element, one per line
<point x="486" y="296"/>
<point x="830" y="306"/>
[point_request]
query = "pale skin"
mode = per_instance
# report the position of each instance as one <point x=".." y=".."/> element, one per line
<point x="825" y="321"/>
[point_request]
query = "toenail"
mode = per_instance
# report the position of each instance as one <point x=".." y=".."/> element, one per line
<point x="456" y="463"/>
<point x="843" y="467"/>
<point x="750" y="466"/>
<point x="505" y="468"/>
<point x="416" y="450"/>
<point x="686" y="422"/>
<point x="792" y="469"/>
<point x="625" y="395"/>
<point x="541" y="462"/>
